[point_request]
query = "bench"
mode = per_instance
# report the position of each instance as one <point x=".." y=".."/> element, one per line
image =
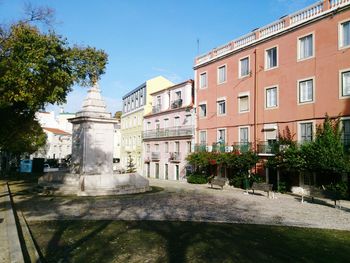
<point x="219" y="181"/>
<point x="263" y="187"/>
<point x="322" y="192"/>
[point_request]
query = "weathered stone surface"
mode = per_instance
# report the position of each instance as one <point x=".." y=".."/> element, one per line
<point x="92" y="155"/>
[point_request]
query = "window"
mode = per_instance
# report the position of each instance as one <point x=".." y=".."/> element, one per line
<point x="177" y="147"/>
<point x="221" y="136"/>
<point x="157" y="147"/>
<point x="244" y="67"/>
<point x="306" y="91"/>
<point x="221" y="74"/>
<point x="271" y="58"/>
<point x="203" y="137"/>
<point x="189" y="146"/>
<point x="148" y="125"/>
<point x="177" y="121"/>
<point x="344" y="34"/>
<point x="306" y="131"/>
<point x="345" y="83"/>
<point x="188" y="120"/>
<point x="166" y="147"/>
<point x="243" y="103"/>
<point x="244" y="135"/>
<point x="178" y="95"/>
<point x="346" y="132"/>
<point x="221" y="107"/>
<point x="203" y="110"/>
<point x="157" y="125"/>
<point x="148" y="148"/>
<point x="203" y="81"/>
<point x="306" y="47"/>
<point x="166" y="123"/>
<point x="159" y="101"/>
<point x="271" y="97"/>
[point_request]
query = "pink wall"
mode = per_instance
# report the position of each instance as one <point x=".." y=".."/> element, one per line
<point x="324" y="67"/>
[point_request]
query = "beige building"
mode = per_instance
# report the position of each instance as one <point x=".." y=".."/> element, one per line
<point x="136" y="104"/>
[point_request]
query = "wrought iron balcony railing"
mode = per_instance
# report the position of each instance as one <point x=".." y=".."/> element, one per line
<point x="176" y="104"/>
<point x="168" y="132"/>
<point x="157" y="108"/>
<point x="269" y="147"/>
<point x="175" y="156"/>
<point x="238" y="147"/>
<point x="155" y="156"/>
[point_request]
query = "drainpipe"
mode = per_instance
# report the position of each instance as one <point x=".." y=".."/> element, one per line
<point x="255" y="99"/>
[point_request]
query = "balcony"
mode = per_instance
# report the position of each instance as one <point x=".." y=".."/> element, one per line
<point x="175" y="157"/>
<point x="157" y="108"/>
<point x="242" y="147"/>
<point x="169" y="132"/>
<point x="217" y="147"/>
<point x="268" y="148"/>
<point x="176" y="104"/>
<point x="155" y="156"/>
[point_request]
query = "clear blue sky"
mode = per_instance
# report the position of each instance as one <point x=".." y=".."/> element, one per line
<point x="147" y="38"/>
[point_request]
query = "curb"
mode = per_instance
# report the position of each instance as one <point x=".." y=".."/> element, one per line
<point x="16" y="254"/>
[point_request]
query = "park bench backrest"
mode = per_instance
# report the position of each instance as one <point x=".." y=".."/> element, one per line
<point x="262" y="186"/>
<point x="219" y="181"/>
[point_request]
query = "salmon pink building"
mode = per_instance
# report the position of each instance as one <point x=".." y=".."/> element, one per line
<point x="289" y="73"/>
<point x="168" y="134"/>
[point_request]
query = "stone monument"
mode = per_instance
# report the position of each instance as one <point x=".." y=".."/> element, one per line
<point x="92" y="155"/>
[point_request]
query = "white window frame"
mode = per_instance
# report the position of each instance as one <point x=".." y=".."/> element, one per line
<point x="177" y="117"/>
<point x="313" y="46"/>
<point x="340" y="35"/>
<point x="218" y="75"/>
<point x="218" y="106"/>
<point x="239" y="67"/>
<point x="199" y="136"/>
<point x="277" y="97"/>
<point x="277" y="64"/>
<point x="217" y="134"/>
<point x="200" y="80"/>
<point x="199" y="110"/>
<point x="313" y="90"/>
<point x="313" y="129"/>
<point x="239" y="132"/>
<point x="341" y="84"/>
<point x="240" y="95"/>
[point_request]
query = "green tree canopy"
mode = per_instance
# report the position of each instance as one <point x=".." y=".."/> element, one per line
<point x="36" y="69"/>
<point x="326" y="154"/>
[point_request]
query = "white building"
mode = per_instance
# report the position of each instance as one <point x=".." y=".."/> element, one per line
<point x="59" y="135"/>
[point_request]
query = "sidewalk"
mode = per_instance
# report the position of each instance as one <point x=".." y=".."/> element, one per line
<point x="10" y="248"/>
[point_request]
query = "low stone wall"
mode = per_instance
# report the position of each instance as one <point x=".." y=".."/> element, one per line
<point x="95" y="185"/>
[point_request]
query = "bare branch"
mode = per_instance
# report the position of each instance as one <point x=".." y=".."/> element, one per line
<point x="41" y="14"/>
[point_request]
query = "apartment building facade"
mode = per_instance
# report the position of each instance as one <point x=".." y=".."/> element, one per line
<point x="289" y="73"/>
<point x="168" y="134"/>
<point x="136" y="104"/>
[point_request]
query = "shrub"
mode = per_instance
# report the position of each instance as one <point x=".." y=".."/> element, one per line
<point x="197" y="179"/>
<point x="340" y="190"/>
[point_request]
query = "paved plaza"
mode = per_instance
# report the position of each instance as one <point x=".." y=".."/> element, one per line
<point x="186" y="202"/>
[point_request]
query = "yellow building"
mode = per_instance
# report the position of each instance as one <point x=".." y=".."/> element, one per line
<point x="136" y="104"/>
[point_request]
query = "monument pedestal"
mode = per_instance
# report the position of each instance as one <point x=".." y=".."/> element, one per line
<point x="92" y="155"/>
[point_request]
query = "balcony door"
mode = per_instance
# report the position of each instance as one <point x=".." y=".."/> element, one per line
<point x="166" y="171"/>
<point x="157" y="170"/>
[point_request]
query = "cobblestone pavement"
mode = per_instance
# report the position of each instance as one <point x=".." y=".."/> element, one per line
<point x="186" y="202"/>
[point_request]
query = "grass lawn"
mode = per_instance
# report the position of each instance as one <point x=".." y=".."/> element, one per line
<point x="153" y="241"/>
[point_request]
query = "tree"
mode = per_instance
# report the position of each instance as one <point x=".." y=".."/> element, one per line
<point x="130" y="166"/>
<point x="326" y="155"/>
<point x="118" y="115"/>
<point x="36" y="69"/>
